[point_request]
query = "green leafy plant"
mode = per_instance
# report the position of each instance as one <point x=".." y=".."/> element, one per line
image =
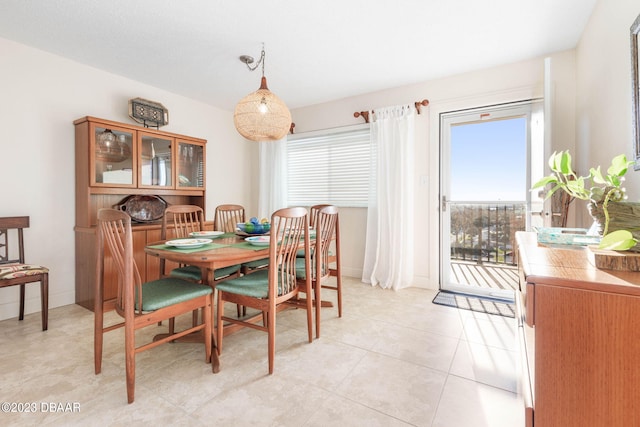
<point x="596" y="187"/>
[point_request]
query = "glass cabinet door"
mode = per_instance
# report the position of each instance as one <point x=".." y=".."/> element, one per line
<point x="155" y="161"/>
<point x="113" y="154"/>
<point x="190" y="159"/>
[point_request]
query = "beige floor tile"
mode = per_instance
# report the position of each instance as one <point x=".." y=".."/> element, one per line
<point x="419" y="347"/>
<point x="467" y="403"/>
<point x="338" y="411"/>
<point x="485" y="364"/>
<point x="491" y="330"/>
<point x="400" y="389"/>
<point x="393" y="359"/>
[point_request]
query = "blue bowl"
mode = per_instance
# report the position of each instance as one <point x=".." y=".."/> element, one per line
<point x="256" y="229"/>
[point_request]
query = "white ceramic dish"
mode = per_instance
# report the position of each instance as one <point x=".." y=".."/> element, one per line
<point x="258" y="240"/>
<point x="187" y="243"/>
<point x="207" y="234"/>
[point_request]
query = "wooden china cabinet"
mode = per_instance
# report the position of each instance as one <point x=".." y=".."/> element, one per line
<point x="137" y="169"/>
<point x="579" y="335"/>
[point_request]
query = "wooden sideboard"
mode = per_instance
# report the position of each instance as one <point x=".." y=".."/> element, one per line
<point x="579" y="330"/>
<point x="134" y="160"/>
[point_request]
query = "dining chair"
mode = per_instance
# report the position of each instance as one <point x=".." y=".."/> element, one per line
<point x="14" y="271"/>
<point x="265" y="290"/>
<point x="325" y="228"/>
<point x="187" y="219"/>
<point x="143" y="304"/>
<point x="333" y="259"/>
<point x="226" y="218"/>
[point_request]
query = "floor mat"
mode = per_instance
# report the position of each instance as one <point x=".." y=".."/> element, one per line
<point x="474" y="303"/>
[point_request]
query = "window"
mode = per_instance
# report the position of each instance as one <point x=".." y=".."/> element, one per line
<point x="329" y="166"/>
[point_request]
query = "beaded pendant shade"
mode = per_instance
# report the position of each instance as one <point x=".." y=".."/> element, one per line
<point x="261" y="115"/>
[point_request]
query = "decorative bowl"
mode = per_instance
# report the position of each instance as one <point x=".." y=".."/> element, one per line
<point x="256" y="229"/>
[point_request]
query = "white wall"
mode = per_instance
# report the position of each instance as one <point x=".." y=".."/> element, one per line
<point x="603" y="106"/>
<point x="513" y="82"/>
<point x="42" y="94"/>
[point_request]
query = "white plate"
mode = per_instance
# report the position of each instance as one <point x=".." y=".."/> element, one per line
<point x="258" y="240"/>
<point x="187" y="243"/>
<point x="207" y="234"/>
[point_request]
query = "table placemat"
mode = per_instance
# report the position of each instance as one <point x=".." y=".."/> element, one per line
<point x="206" y="247"/>
<point x="247" y="245"/>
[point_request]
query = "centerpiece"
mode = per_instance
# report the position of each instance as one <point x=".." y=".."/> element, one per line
<point x="618" y="220"/>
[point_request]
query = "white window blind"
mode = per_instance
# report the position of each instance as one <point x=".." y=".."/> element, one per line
<point x="330" y="166"/>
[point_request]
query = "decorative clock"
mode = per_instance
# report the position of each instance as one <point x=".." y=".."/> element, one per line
<point x="149" y="113"/>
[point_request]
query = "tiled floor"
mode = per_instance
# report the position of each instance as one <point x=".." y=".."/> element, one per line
<point x="393" y="359"/>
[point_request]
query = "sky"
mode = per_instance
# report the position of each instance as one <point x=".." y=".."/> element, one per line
<point x="488" y="161"/>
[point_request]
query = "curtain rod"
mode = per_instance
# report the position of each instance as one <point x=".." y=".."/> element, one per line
<point x="365" y="114"/>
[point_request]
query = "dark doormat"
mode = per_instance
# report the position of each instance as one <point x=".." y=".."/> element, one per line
<point x="474" y="303"/>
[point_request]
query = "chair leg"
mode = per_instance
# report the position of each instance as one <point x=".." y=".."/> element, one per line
<point x="317" y="306"/>
<point x="130" y="359"/>
<point x="21" y="316"/>
<point x="206" y="318"/>
<point x="220" y="326"/>
<point x="172" y="325"/>
<point x="339" y="286"/>
<point x="271" y="316"/>
<point x="215" y="359"/>
<point x="194" y="321"/>
<point x="98" y="337"/>
<point x="44" y="297"/>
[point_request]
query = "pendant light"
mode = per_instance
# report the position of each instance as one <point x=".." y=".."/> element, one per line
<point x="261" y="115"/>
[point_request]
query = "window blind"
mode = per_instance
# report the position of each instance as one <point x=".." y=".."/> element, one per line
<point x="329" y="166"/>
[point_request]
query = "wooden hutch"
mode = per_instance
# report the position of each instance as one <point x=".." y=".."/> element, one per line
<point x="116" y="161"/>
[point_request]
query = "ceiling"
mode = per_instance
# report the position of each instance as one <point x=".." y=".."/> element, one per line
<point x="316" y="51"/>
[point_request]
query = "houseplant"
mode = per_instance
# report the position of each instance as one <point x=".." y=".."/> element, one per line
<point x="603" y="192"/>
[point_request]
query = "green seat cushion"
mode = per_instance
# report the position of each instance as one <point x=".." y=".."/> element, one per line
<point x="255" y="285"/>
<point x="257" y="263"/>
<point x="301" y="271"/>
<point x="300" y="268"/>
<point x="193" y="273"/>
<point x="164" y="292"/>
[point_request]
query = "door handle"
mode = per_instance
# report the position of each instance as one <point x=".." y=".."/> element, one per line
<point x="443" y="205"/>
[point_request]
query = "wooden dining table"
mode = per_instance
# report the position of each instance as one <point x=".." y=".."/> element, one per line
<point x="227" y="250"/>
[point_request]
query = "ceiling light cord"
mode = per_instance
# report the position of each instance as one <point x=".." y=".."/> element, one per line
<point x="249" y="59"/>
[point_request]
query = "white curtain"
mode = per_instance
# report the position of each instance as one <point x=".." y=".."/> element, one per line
<point x="273" y="177"/>
<point x="388" y="260"/>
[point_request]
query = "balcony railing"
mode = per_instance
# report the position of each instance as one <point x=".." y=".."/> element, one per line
<point x="485" y="232"/>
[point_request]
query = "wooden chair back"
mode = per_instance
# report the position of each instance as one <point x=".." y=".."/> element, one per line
<point x="325" y="225"/>
<point x="227" y="216"/>
<point x="17" y="223"/>
<point x="14" y="271"/>
<point x="114" y="232"/>
<point x="288" y="228"/>
<point x="184" y="218"/>
<point x="313" y="213"/>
